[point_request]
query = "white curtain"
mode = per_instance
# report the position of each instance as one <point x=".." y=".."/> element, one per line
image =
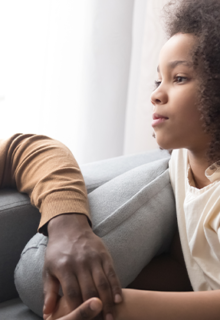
<point x="80" y="71"/>
<point x="148" y="39"/>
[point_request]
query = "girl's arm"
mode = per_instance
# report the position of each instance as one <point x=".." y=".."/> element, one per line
<point x="154" y="305"/>
<point x="166" y="272"/>
<point x="151" y="305"/>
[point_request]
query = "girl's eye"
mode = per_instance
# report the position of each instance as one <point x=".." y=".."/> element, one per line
<point x="157" y="83"/>
<point x="180" y="78"/>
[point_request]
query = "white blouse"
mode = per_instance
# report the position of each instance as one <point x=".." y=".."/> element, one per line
<point x="198" y="216"/>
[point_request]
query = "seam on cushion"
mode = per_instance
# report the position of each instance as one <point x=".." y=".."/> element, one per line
<point x="102" y="232"/>
<point x="19" y="263"/>
<point x="18" y="206"/>
<point x="96" y="185"/>
<point x="21" y="202"/>
<point x="33" y="247"/>
<point x="132" y="213"/>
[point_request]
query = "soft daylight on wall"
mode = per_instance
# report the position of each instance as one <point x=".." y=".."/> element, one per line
<point x="80" y="71"/>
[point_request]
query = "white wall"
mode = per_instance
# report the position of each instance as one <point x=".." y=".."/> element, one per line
<point x="149" y="39"/>
<point x="40" y="67"/>
<point x="105" y="79"/>
<point x="80" y="71"/>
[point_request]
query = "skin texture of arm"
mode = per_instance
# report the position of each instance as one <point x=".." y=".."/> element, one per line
<point x="47" y="171"/>
<point x="164" y="273"/>
<point x="154" y="305"/>
<point x="151" y="305"/>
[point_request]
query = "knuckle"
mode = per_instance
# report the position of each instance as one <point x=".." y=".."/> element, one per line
<point x="72" y="293"/>
<point x="104" y="255"/>
<point x="107" y="308"/>
<point x="84" y="313"/>
<point x="45" y="291"/>
<point x="103" y="284"/>
<point x="110" y="273"/>
<point x="117" y="289"/>
<point x="91" y="293"/>
<point x="82" y="261"/>
<point x="65" y="261"/>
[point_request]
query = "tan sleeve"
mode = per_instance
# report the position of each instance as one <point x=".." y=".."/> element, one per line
<point x="46" y="170"/>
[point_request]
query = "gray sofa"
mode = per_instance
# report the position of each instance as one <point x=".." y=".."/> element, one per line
<point x="19" y="221"/>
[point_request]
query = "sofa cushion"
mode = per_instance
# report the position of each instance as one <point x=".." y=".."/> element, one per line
<point x="134" y="214"/>
<point x="15" y="310"/>
<point x="19" y="219"/>
<point x="99" y="172"/>
<point x="18" y="223"/>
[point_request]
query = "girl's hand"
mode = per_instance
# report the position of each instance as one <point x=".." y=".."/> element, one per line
<point x="87" y="310"/>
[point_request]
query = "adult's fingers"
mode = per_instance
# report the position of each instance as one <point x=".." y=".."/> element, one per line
<point x="71" y="290"/>
<point x="88" y="310"/>
<point x="104" y="290"/>
<point x="87" y="285"/>
<point x="51" y="293"/>
<point x="113" y="280"/>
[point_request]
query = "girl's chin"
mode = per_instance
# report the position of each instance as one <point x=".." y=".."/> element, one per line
<point x="165" y="146"/>
<point x="166" y="143"/>
<point x="168" y="147"/>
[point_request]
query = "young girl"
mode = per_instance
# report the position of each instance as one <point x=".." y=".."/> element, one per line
<point x="186" y="118"/>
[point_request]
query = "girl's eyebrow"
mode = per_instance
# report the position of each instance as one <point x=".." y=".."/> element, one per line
<point x="173" y="64"/>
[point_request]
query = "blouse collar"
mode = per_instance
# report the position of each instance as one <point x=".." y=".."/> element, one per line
<point x="213" y="172"/>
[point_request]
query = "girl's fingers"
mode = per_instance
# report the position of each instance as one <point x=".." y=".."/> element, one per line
<point x="88" y="310"/>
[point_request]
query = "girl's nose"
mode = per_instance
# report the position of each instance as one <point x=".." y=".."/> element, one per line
<point x="159" y="97"/>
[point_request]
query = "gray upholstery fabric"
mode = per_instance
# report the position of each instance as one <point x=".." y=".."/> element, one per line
<point x="18" y="223"/>
<point x="19" y="219"/>
<point x="99" y="172"/>
<point x="15" y="310"/>
<point x="134" y="214"/>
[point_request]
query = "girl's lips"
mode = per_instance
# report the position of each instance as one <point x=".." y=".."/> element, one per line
<point x="158" y="119"/>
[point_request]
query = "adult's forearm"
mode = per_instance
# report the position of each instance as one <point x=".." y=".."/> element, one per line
<point x="68" y="221"/>
<point x="47" y="171"/>
<point x="150" y="305"/>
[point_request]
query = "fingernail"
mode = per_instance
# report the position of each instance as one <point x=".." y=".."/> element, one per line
<point x="94" y="305"/>
<point x="109" y="316"/>
<point x="118" y="298"/>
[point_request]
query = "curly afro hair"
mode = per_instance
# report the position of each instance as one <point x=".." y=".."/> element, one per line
<point x="202" y="19"/>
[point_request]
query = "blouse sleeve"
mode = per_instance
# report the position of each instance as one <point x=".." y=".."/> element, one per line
<point x="47" y="171"/>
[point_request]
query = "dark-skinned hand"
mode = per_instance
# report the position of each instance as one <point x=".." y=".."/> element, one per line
<point x="78" y="260"/>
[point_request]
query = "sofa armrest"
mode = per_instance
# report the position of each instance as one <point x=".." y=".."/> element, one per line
<point x="99" y="172"/>
<point x="19" y="219"/>
<point x="18" y="223"/>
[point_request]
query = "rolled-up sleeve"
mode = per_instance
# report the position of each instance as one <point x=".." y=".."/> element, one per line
<point x="47" y="171"/>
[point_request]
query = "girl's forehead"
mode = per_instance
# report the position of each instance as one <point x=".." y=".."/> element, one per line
<point x="178" y="48"/>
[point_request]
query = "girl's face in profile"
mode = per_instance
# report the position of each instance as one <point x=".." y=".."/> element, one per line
<point x="176" y="119"/>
